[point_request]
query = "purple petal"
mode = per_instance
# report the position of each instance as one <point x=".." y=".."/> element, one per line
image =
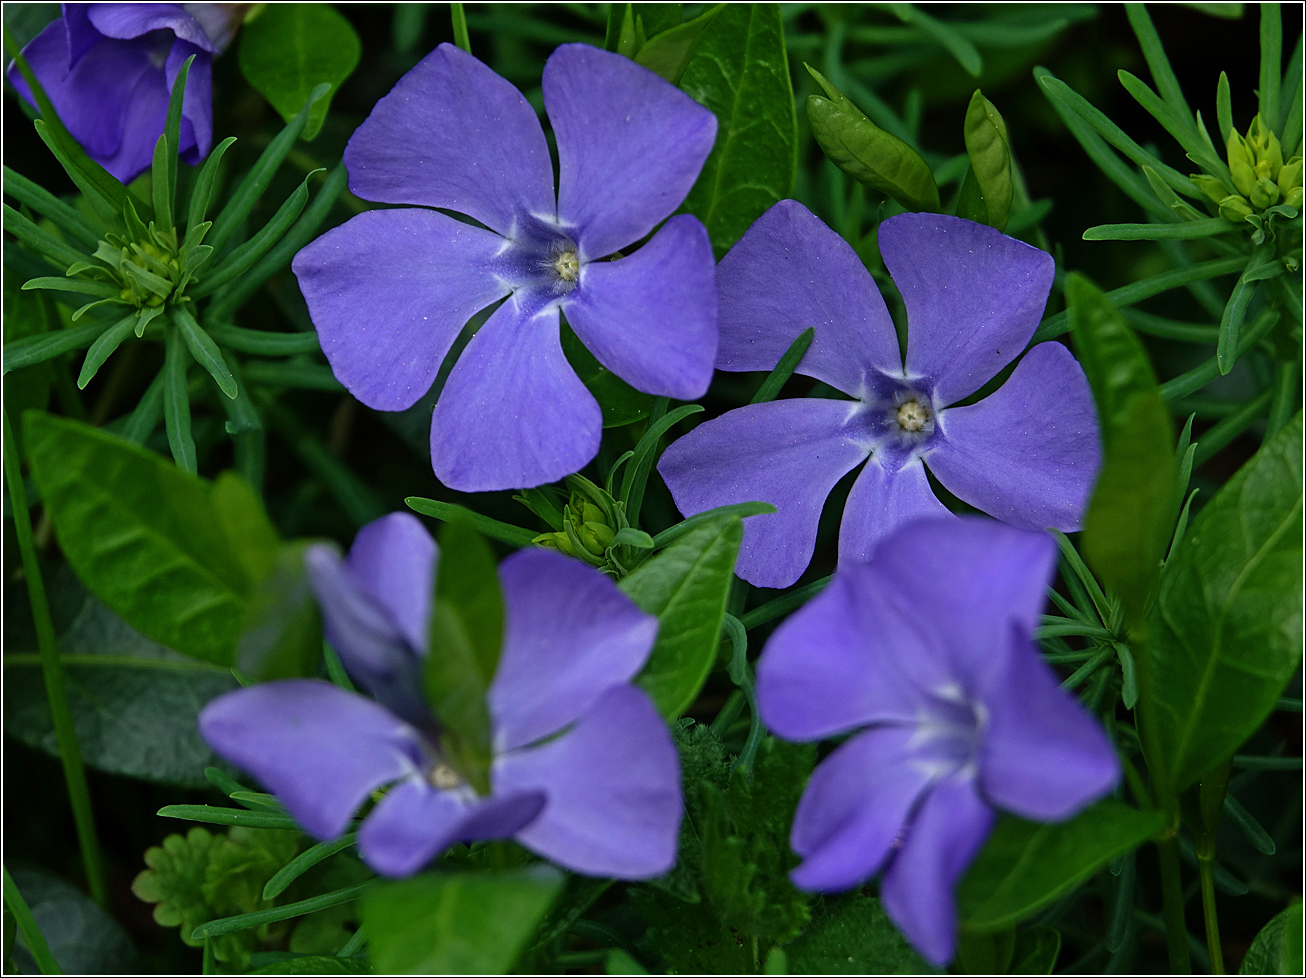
<point x="789" y="453"/>
<point x="1043" y="756"/>
<point x="366" y="636"/>
<point x="196" y="136"/>
<point x="319" y="749"/>
<point x="414" y="822"/>
<point x="651" y="318"/>
<point x="836" y="663"/>
<point x="142" y="124"/>
<point x="389" y="291"/>
<point x="630" y="145"/>
<point x="974" y="297"/>
<point x="613" y="786"/>
<point x="881" y="501"/>
<point x="917" y="890"/>
<point x="130" y="20"/>
<point x="79" y="31"/>
<point x="513" y="413"/>
<point x="454" y="134"/>
<point x="1028" y="453"/>
<point x="393" y="560"/>
<point x="570" y="635"/>
<point x="788" y="272"/>
<point x="854" y="808"/>
<point x="962" y="582"/>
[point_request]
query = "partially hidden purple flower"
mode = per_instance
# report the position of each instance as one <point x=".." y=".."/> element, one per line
<point x="109" y="69"/>
<point x="926" y="655"/>
<point x="1027" y="454"/>
<point x="584" y="773"/>
<point x="390" y="290"/>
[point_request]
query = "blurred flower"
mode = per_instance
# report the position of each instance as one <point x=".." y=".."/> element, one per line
<point x="390" y="290"/>
<point x="109" y="68"/>
<point x="927" y="653"/>
<point x="584" y="770"/>
<point x="1027" y="454"/>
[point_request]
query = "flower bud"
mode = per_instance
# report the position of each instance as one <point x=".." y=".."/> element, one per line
<point x="1210" y="186"/>
<point x="1294" y="198"/>
<point x="1265" y="193"/>
<point x="1234" y="208"/>
<point x="1264" y="146"/>
<point x="1241" y="164"/>
<point x="1290" y="176"/>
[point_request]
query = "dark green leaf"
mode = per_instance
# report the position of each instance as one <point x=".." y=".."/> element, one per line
<point x="1277" y="949"/>
<point x="514" y="536"/>
<point x="1024" y="866"/>
<point x="867" y="153"/>
<point x="144" y="536"/>
<point x="1036" y="951"/>
<point x="621" y="404"/>
<point x="315" y="964"/>
<point x="686" y="586"/>
<point x="741" y="72"/>
<point x="1130" y="516"/>
<point x="281" y="633"/>
<point x="1226" y="629"/>
<point x="785" y="368"/>
<point x="82" y="937"/>
<point x="456" y="923"/>
<point x="852" y="935"/>
<point x="990" y="158"/>
<point x="658" y="17"/>
<point x="289" y="49"/>
<point x="668" y="51"/>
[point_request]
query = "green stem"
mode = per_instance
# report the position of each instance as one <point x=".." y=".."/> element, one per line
<point x="1172" y="897"/>
<point x="1285" y="399"/>
<point x="64" y="732"/>
<point x="460" y="27"/>
<point x="17" y="906"/>
<point x="1206" y="870"/>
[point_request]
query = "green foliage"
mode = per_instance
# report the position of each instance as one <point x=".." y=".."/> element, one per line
<point x="989" y="178"/>
<point x="852" y="935"/>
<point x="741" y="72"/>
<point x="281" y="632"/>
<point x="1226" y="630"/>
<point x="1129" y="522"/>
<point x="456" y="923"/>
<point x="1024" y="866"/>
<point x="1036" y="951"/>
<point x="82" y="938"/>
<point x="866" y="152"/>
<point x="669" y="52"/>
<point x="290" y="49"/>
<point x="620" y="403"/>
<point x="686" y="586"/>
<point x="1277" y="949"/>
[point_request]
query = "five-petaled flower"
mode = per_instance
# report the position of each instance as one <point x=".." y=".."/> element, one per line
<point x="584" y="770"/>
<point x="926" y="654"/>
<point x="109" y="68"/>
<point x="1027" y="454"/>
<point x="390" y="290"/>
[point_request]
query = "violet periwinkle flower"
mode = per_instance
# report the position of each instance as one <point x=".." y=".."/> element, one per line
<point x="109" y="69"/>
<point x="390" y="290"/>
<point x="584" y="773"/>
<point x="1027" y="454"/>
<point x="926" y="655"/>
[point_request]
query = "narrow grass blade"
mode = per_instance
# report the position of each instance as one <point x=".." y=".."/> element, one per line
<point x="263" y="343"/>
<point x="47" y="346"/>
<point x="305" y="861"/>
<point x="1154" y="232"/>
<point x="204" y="350"/>
<point x="515" y="536"/>
<point x="204" y="185"/>
<point x="1231" y="324"/>
<point x="785" y="368"/>
<point x="39" y="239"/>
<point x="69" y="218"/>
<point x="176" y="401"/>
<point x="103" y="348"/>
<point x="36" y="943"/>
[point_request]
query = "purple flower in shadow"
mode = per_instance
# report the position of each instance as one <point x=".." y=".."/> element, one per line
<point x="109" y="68"/>
<point x="926" y="655"/>
<point x="1027" y="454"/>
<point x="390" y="290"/>
<point x="584" y="773"/>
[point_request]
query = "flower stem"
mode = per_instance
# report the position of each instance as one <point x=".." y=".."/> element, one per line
<point x="460" y="27"/>
<point x="65" y="734"/>
<point x="1172" y="897"/>
<point x="1206" y="869"/>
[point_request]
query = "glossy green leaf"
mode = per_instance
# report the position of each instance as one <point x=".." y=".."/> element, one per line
<point x="669" y="52"/>
<point x="990" y="159"/>
<point x="741" y="72"/>
<point x="291" y="48"/>
<point x="1226" y="632"/>
<point x="686" y="586"/>
<point x="1130" y="517"/>
<point x="456" y="923"/>
<point x="1277" y="949"/>
<point x="867" y="153"/>
<point x="1024" y="866"/>
<point x="621" y="404"/>
<point x="144" y="536"/>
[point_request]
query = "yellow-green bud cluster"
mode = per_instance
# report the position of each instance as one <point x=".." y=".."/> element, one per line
<point x="1259" y="173"/>
<point x="591" y="521"/>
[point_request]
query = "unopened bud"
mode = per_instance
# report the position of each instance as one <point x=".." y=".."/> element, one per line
<point x="1234" y="208"/>
<point x="1241" y="164"/>
<point x="1265" y="193"/>
<point x="1210" y="186"/>
<point x="1290" y="176"/>
<point x="1294" y="198"/>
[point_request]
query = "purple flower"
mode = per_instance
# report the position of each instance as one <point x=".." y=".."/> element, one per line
<point x="584" y="772"/>
<point x="390" y="290"/>
<point x="110" y="67"/>
<point x="926" y="653"/>
<point x="1027" y="454"/>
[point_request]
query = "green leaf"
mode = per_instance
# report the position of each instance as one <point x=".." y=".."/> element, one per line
<point x="867" y="153"/>
<point x="281" y="632"/>
<point x="1226" y="630"/>
<point x="1024" y="866"/>
<point x="315" y="964"/>
<point x="852" y="935"/>
<point x="82" y="937"/>
<point x="144" y="536"/>
<point x="514" y="536"/>
<point x="290" y="49"/>
<point x="1204" y="228"/>
<point x="669" y="51"/>
<point x="1036" y="951"/>
<point x="741" y="72"/>
<point x="1277" y="949"/>
<point x="621" y="404"/>
<point x="990" y="158"/>
<point x="1130" y="517"/>
<point x="686" y="586"/>
<point x="456" y="923"/>
<point x="204" y="350"/>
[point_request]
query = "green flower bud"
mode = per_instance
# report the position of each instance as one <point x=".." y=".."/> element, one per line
<point x="1265" y="193"/>
<point x="1294" y="198"/>
<point x="1264" y="146"/>
<point x="1241" y="164"/>
<point x="1210" y="186"/>
<point x="603" y="533"/>
<point x="1234" y="208"/>
<point x="555" y="541"/>
<point x="1290" y="176"/>
<point x="589" y="539"/>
